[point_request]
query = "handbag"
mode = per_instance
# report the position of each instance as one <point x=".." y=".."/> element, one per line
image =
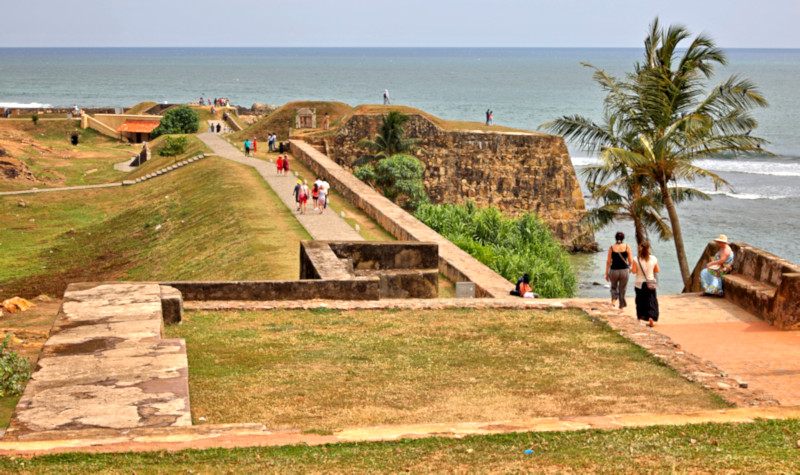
<point x="652" y="284"/>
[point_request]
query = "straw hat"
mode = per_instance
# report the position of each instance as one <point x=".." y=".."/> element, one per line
<point x="722" y="238"/>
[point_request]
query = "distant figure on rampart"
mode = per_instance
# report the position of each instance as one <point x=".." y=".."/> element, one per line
<point x="489" y="116"/>
<point x="327" y="123"/>
<point x="386" y="97"/>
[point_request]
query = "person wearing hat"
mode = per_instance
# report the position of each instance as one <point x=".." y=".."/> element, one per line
<point x="711" y="275"/>
<point x="297" y="193"/>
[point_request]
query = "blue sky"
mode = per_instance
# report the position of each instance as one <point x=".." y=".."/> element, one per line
<point x="432" y="23"/>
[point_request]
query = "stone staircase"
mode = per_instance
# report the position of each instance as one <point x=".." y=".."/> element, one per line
<point x="106" y="365"/>
<point x="164" y="170"/>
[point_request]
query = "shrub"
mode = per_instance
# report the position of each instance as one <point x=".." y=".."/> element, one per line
<point x="173" y="146"/>
<point x="400" y="179"/>
<point x="180" y="120"/>
<point x="509" y="246"/>
<point x="14" y="370"/>
<point x="35" y="119"/>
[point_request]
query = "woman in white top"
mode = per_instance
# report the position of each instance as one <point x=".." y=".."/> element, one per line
<point x="645" y="267"/>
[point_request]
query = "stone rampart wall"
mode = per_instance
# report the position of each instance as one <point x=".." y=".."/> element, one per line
<point x="455" y="264"/>
<point x="515" y="172"/>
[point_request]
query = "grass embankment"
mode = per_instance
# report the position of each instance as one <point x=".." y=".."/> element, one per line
<point x="326" y="369"/>
<point x="758" y="447"/>
<point x="194" y="147"/>
<point x="211" y="220"/>
<point x="46" y="150"/>
<point x="283" y="119"/>
<point x="140" y="107"/>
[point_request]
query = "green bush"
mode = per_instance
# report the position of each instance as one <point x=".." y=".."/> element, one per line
<point x="14" y="370"/>
<point x="173" y="146"/>
<point x="509" y="246"/>
<point x="35" y="119"/>
<point x="400" y="179"/>
<point x="180" y="120"/>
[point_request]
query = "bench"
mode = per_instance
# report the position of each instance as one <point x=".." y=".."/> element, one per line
<point x="761" y="283"/>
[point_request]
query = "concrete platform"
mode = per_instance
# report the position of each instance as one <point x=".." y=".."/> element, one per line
<point x="106" y="365"/>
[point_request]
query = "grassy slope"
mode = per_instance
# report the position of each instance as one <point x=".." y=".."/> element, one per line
<point x="56" y="162"/>
<point x="282" y="119"/>
<point x="138" y="108"/>
<point x="157" y="162"/>
<point x="215" y="220"/>
<point x="445" y="124"/>
<point x="328" y="369"/>
<point x="759" y="447"/>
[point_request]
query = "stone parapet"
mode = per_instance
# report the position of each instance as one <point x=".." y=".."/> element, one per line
<point x="761" y="283"/>
<point x="454" y="263"/>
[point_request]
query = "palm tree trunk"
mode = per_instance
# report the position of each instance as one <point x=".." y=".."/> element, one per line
<point x="638" y="227"/>
<point x="677" y="235"/>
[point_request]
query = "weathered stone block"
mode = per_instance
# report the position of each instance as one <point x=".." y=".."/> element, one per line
<point x="171" y="304"/>
<point x="465" y="290"/>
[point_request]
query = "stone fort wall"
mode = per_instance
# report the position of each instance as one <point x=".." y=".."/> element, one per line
<point x="514" y="171"/>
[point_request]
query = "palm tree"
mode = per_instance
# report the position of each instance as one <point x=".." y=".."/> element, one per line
<point x="389" y="141"/>
<point x="663" y="119"/>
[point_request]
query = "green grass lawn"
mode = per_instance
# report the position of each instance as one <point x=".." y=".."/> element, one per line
<point x="326" y="369"/>
<point x="213" y="220"/>
<point x="758" y="447"/>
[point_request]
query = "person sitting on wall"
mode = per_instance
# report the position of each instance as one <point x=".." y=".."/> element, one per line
<point x="523" y="288"/>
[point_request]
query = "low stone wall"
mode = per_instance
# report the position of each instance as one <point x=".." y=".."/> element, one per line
<point x="761" y="283"/>
<point x="363" y="288"/>
<point x="405" y="269"/>
<point x="454" y="263"/>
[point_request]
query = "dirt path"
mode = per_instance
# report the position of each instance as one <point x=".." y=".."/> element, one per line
<point x="744" y="346"/>
<point x="325" y="226"/>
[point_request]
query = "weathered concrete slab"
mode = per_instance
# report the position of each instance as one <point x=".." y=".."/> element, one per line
<point x="105" y="365"/>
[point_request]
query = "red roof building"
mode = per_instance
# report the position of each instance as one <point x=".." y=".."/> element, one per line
<point x="138" y="130"/>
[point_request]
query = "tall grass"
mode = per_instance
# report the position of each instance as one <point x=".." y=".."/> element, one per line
<point x="509" y="246"/>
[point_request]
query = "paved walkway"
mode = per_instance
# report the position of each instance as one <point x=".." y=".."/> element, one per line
<point x="67" y="188"/>
<point x="327" y="226"/>
<point x="740" y="344"/>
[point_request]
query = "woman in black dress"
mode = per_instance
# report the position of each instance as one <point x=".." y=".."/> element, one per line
<point x="646" y="267"/>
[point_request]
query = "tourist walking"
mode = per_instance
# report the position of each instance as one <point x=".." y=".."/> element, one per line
<point x="247" y="147"/>
<point x="618" y="269"/>
<point x="304" y="192"/>
<point x="324" y="186"/>
<point x="711" y="275"/>
<point x="279" y="165"/>
<point x="646" y="267"/>
<point x="219" y="127"/>
<point x="255" y="145"/>
<point x="315" y="193"/>
<point x="297" y="193"/>
<point x="386" y="97"/>
<point x="286" y="164"/>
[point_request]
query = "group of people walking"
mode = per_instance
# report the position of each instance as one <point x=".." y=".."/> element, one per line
<point x="282" y="164"/>
<point x="621" y="263"/>
<point x="318" y="193"/>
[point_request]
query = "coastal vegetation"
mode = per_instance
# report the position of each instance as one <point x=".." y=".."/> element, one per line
<point x="659" y="120"/>
<point x="324" y="369"/>
<point x="509" y="246"/>
<point x="180" y="120"/>
<point x="389" y="167"/>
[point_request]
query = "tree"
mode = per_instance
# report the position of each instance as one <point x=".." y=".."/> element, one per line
<point x="180" y="120"/>
<point x="400" y="179"/>
<point x="389" y="141"/>
<point x="664" y="120"/>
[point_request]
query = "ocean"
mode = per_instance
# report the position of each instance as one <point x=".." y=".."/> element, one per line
<point x="525" y="87"/>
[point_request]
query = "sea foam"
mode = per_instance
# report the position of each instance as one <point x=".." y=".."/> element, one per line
<point x="23" y="105"/>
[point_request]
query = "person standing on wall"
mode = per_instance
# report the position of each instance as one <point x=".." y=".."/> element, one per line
<point x="386" y="97"/>
<point x="618" y="269"/>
